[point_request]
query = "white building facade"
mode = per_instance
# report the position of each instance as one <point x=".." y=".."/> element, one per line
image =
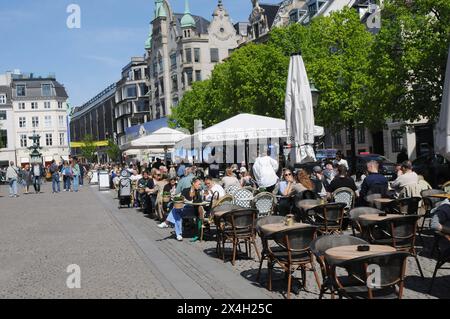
<point x="39" y="106"/>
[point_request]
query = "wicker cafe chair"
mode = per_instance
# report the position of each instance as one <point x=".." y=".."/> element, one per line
<point x="243" y="198"/>
<point x="400" y="233"/>
<point x="227" y="199"/>
<point x="405" y="206"/>
<point x="264" y="203"/>
<point x="319" y="246"/>
<point x="295" y="254"/>
<point x="328" y="217"/>
<point x="344" y="195"/>
<point x="354" y="215"/>
<point x="238" y="227"/>
<point x="265" y="239"/>
<point x="443" y="258"/>
<point x="391" y="275"/>
<point x="231" y="190"/>
<point x="207" y="220"/>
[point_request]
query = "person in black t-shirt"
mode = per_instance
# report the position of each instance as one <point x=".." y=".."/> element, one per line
<point x="342" y="180"/>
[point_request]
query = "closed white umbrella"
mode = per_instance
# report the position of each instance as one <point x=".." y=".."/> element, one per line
<point x="299" y="112"/>
<point x="442" y="135"/>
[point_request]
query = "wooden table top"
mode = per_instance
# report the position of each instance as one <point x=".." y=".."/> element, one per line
<point x="376" y="217"/>
<point x="222" y="209"/>
<point x="197" y="204"/>
<point x="383" y="200"/>
<point x="344" y="253"/>
<point x="269" y="229"/>
<point x="308" y="203"/>
<point x="443" y="196"/>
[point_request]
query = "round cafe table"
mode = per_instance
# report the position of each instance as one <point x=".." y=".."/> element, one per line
<point x="269" y="229"/>
<point x="344" y="253"/>
<point x="441" y="196"/>
<point x="308" y="204"/>
<point x="222" y="209"/>
<point x="375" y="218"/>
<point x="383" y="200"/>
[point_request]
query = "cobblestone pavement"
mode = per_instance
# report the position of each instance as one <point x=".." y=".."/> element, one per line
<point x="123" y="254"/>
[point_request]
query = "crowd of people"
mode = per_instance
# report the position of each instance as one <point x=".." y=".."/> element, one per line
<point x="71" y="173"/>
<point x="200" y="183"/>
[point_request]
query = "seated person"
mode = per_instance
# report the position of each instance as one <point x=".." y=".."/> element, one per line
<point x="171" y="186"/>
<point x="374" y="183"/>
<point x="342" y="180"/>
<point x="147" y="184"/>
<point x="230" y="179"/>
<point x="321" y="185"/>
<point x="175" y="217"/>
<point x="304" y="182"/>
<point x="408" y="177"/>
<point x="211" y="188"/>
<point x="286" y="189"/>
<point x="441" y="218"/>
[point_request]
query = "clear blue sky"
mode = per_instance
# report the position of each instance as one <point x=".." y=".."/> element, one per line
<point x="35" y="38"/>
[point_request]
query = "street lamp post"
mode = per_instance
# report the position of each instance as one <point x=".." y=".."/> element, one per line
<point x="35" y="154"/>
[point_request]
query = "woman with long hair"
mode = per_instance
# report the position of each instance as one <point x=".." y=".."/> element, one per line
<point x="304" y="179"/>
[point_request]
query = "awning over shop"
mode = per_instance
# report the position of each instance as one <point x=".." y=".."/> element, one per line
<point x="164" y="137"/>
<point x="82" y="144"/>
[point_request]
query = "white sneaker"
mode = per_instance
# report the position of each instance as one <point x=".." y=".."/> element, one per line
<point x="163" y="225"/>
<point x="180" y="238"/>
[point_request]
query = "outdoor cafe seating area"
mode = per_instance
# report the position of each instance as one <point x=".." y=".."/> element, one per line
<point x="334" y="241"/>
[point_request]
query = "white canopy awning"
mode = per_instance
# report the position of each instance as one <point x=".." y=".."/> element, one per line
<point x="164" y="137"/>
<point x="442" y="136"/>
<point x="243" y="127"/>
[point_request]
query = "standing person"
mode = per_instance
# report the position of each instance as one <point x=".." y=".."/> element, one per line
<point x="26" y="179"/>
<point x="264" y="171"/>
<point x="402" y="156"/>
<point x="37" y="172"/>
<point x="67" y="175"/>
<point x="75" y="174"/>
<point x="340" y="160"/>
<point x="54" y="170"/>
<point x="12" y="176"/>
<point x="82" y="171"/>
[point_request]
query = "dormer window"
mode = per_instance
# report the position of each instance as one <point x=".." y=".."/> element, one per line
<point x="21" y="90"/>
<point x="187" y="33"/>
<point x="46" y="89"/>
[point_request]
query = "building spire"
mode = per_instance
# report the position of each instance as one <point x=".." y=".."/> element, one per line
<point x="187" y="21"/>
<point x="159" y="9"/>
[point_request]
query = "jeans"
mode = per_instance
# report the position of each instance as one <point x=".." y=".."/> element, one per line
<point x="37" y="183"/>
<point x="13" y="187"/>
<point x="56" y="184"/>
<point x="76" y="180"/>
<point x="66" y="183"/>
<point x="81" y="179"/>
<point x="176" y="217"/>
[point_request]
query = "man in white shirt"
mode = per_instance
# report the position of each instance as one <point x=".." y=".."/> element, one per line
<point x="340" y="161"/>
<point x="212" y="188"/>
<point x="407" y="178"/>
<point x="264" y="170"/>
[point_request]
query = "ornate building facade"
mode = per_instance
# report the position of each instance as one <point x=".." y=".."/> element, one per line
<point x="182" y="49"/>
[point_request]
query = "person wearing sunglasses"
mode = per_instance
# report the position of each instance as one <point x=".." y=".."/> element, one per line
<point x="286" y="190"/>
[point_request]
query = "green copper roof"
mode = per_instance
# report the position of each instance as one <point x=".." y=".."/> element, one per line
<point x="187" y="21"/>
<point x="148" y="42"/>
<point x="159" y="9"/>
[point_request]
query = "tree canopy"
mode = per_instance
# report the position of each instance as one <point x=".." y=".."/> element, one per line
<point x="88" y="149"/>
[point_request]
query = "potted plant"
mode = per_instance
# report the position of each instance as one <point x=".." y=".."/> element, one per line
<point x="178" y="202"/>
<point x="166" y="197"/>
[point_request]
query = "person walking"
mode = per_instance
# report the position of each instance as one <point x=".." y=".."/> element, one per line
<point x="76" y="175"/>
<point x="82" y="171"/>
<point x="37" y="172"/>
<point x="56" y="184"/>
<point x="12" y="176"/>
<point x="26" y="179"/>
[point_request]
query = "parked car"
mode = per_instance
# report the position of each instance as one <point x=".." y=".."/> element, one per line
<point x="387" y="168"/>
<point x="434" y="168"/>
<point x="324" y="155"/>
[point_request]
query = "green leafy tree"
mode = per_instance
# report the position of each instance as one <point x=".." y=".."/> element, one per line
<point x="409" y="58"/>
<point x="88" y="149"/>
<point x="113" y="151"/>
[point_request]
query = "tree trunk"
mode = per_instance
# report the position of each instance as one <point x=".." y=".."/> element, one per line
<point x="352" y="147"/>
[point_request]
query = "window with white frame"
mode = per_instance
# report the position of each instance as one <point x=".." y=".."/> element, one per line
<point x="22" y="106"/>
<point x="49" y="139"/>
<point x="60" y="105"/>
<point x="62" y="139"/>
<point x="34" y="105"/>
<point x="48" y="121"/>
<point x="35" y="122"/>
<point x="46" y="105"/>
<point x="22" y="122"/>
<point x="61" y="120"/>
<point x="3" y="116"/>
<point x="23" y="140"/>
<point x="2" y="98"/>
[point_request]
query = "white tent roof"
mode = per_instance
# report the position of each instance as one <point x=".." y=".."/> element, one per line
<point x="442" y="136"/>
<point x="160" y="138"/>
<point x="243" y="127"/>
